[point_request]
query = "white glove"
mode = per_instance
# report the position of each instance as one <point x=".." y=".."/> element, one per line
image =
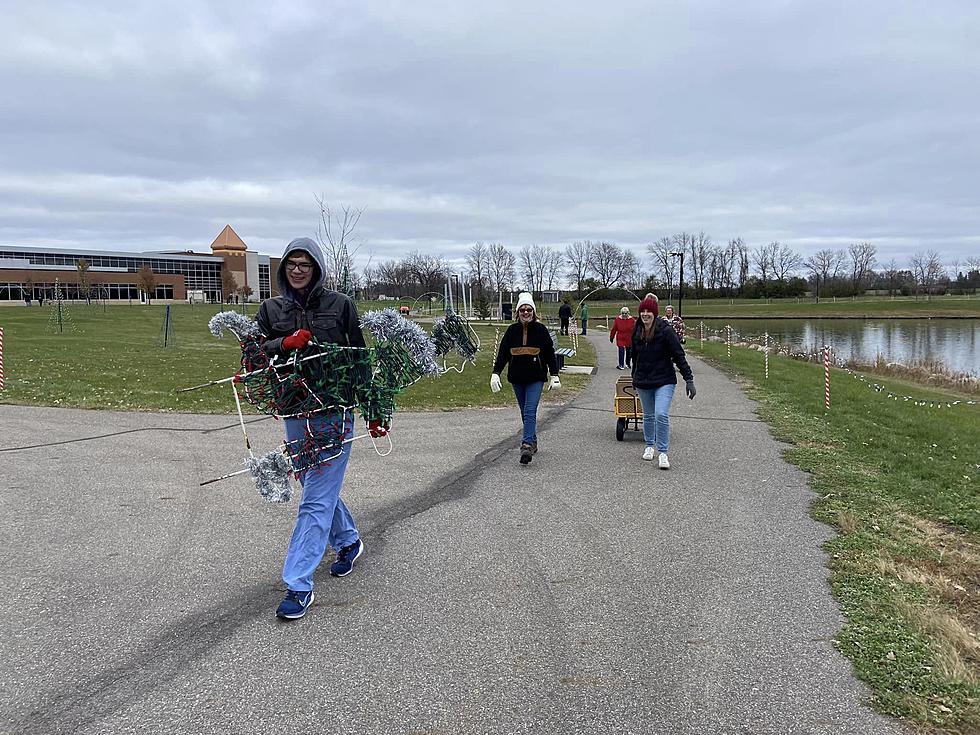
<point x="495" y="383"/>
<point x="555" y="384"/>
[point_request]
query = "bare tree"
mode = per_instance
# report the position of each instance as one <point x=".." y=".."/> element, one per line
<point x="699" y="249"/>
<point x="553" y="266"/>
<point x="478" y="262"/>
<point x="743" y="261"/>
<point x="863" y="259"/>
<point x="606" y="264"/>
<point x="502" y="267"/>
<point x="84" y="286"/>
<point x="336" y="236"/>
<point x="663" y="262"/>
<point x="763" y="257"/>
<point x="927" y="269"/>
<point x="147" y="281"/>
<point x="533" y="262"/>
<point x="632" y="276"/>
<point x="577" y="263"/>
<point x="824" y="265"/>
<point x="228" y="284"/>
<point x="429" y="271"/>
<point x="785" y="262"/>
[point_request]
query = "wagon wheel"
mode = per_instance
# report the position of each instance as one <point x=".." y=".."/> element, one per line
<point x="620" y="429"/>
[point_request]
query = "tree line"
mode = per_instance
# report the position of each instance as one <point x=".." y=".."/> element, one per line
<point x="711" y="270"/>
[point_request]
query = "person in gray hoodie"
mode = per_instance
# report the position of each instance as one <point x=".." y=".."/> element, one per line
<point x="304" y="310"/>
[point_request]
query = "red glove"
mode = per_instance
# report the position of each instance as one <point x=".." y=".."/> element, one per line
<point x="297" y="340"/>
<point x="378" y="427"/>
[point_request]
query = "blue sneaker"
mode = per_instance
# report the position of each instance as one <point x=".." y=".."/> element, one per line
<point x="346" y="558"/>
<point x="294" y="605"/>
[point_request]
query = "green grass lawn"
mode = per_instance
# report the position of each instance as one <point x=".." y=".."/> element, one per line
<point x="112" y="360"/>
<point x="901" y="483"/>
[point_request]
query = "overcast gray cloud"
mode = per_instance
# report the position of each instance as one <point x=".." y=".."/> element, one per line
<point x="147" y="125"/>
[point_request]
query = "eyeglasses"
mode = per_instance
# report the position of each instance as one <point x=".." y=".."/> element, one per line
<point x="292" y="265"/>
<point x="526" y="310"/>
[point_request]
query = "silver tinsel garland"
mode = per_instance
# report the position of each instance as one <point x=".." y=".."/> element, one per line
<point x="271" y="475"/>
<point x="242" y="327"/>
<point x="387" y="325"/>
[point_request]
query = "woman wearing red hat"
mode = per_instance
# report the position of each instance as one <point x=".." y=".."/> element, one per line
<point x="656" y="350"/>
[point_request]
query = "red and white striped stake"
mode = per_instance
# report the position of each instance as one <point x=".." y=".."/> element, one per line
<point x="766" y="353"/>
<point x="826" y="377"/>
<point x="702" y="335"/>
<point x="2" y="383"/>
<point x="728" y="339"/>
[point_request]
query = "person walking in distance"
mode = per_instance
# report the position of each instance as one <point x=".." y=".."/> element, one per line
<point x="528" y="351"/>
<point x="585" y="318"/>
<point x="656" y="350"/>
<point x="622" y="334"/>
<point x="675" y="321"/>
<point x="307" y="309"/>
<point x="564" y="316"/>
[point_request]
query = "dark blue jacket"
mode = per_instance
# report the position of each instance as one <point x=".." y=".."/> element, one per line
<point x="653" y="361"/>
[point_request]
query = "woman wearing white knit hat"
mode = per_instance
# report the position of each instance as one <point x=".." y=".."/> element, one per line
<point x="529" y="351"/>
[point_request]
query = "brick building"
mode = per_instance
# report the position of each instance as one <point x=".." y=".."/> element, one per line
<point x="33" y="271"/>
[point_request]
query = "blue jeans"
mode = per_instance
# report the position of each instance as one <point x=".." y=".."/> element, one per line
<point x="656" y="424"/>
<point x="585" y="326"/>
<point x="322" y="517"/>
<point x="528" y="397"/>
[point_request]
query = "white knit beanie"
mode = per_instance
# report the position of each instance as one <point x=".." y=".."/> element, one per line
<point x="525" y="299"/>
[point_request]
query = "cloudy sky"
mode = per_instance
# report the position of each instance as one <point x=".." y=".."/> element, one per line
<point x="140" y="126"/>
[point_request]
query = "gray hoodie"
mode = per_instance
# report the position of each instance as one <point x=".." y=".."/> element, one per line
<point x="330" y="316"/>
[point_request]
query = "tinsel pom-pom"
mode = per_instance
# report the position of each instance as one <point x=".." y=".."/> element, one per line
<point x="387" y="325"/>
<point x="242" y="327"/>
<point x="271" y="475"/>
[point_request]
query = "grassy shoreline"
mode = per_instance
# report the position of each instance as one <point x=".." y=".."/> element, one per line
<point x="898" y="481"/>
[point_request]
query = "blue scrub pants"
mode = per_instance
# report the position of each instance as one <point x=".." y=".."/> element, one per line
<point x="322" y="517"/>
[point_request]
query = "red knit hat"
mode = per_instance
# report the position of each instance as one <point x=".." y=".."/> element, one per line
<point x="650" y="304"/>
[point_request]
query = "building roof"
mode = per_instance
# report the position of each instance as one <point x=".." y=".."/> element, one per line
<point x="228" y="241"/>
<point x="161" y="255"/>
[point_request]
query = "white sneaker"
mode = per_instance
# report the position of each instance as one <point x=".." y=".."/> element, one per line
<point x="648" y="454"/>
<point x="662" y="460"/>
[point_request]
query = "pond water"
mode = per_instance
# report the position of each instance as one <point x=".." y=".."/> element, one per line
<point x="954" y="342"/>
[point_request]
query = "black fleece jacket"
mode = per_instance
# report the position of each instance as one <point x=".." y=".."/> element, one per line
<point x="653" y="361"/>
<point x="529" y="351"/>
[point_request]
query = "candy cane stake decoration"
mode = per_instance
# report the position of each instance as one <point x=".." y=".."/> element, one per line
<point x="766" y="353"/>
<point x="728" y="339"/>
<point x="2" y="383"/>
<point x="702" y="335"/>
<point x="826" y="377"/>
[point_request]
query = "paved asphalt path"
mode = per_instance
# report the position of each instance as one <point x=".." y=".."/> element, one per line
<point x="589" y="592"/>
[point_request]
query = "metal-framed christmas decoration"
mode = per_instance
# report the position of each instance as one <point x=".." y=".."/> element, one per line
<point x="332" y="380"/>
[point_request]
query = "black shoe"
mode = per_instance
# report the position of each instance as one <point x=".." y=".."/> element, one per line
<point x="526" y="453"/>
<point x="534" y="447"/>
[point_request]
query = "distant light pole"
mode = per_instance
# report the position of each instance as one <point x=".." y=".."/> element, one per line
<point x="680" y="285"/>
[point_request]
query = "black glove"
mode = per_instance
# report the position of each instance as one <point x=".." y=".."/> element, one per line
<point x="691" y="390"/>
<point x="610" y="340"/>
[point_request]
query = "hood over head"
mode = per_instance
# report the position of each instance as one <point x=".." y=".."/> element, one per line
<point x="319" y="272"/>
